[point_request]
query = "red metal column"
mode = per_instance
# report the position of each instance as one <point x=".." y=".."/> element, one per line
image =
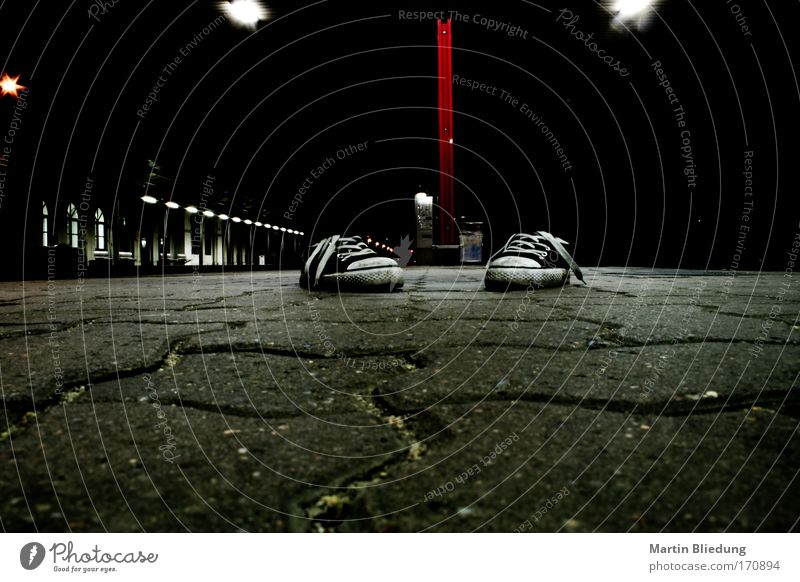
<point x="447" y="230"/>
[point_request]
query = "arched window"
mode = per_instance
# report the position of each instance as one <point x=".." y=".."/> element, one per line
<point x="100" y="230"/>
<point x="72" y="226"/>
<point x="45" y="238"/>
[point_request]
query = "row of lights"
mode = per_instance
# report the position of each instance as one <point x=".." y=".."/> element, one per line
<point x="208" y="214"/>
<point x="381" y="245"/>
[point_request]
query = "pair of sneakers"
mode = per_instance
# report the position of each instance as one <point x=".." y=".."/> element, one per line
<point x="526" y="260"/>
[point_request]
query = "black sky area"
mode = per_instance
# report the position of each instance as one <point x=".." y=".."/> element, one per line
<point x="259" y="110"/>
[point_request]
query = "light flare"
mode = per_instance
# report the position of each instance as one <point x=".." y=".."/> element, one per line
<point x="10" y="86"/>
<point x="245" y="13"/>
<point x="631" y="13"/>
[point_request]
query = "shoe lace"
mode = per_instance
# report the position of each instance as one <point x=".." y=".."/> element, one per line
<point x="345" y="248"/>
<point x="352" y="246"/>
<point x="528" y="244"/>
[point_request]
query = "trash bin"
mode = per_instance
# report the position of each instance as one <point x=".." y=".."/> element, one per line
<point x="471" y="234"/>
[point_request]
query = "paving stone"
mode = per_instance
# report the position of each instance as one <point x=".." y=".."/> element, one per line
<point x="103" y="467"/>
<point x="260" y="385"/>
<point x="664" y="379"/>
<point x="534" y="467"/>
<point x="41" y="368"/>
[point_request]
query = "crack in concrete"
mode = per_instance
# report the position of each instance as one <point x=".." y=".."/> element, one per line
<point x="754" y="316"/>
<point x="203" y="306"/>
<point x="18" y="411"/>
<point x="328" y="511"/>
<point x="235" y="324"/>
<point x="292" y="353"/>
<point x="772" y="400"/>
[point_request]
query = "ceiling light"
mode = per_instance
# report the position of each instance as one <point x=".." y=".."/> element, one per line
<point x="245" y="13"/>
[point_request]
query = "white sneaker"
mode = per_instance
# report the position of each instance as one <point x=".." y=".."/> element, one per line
<point x="347" y="263"/>
<point x="531" y="260"/>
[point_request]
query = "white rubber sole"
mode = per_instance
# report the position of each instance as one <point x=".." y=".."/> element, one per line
<point x="502" y="277"/>
<point x="379" y="278"/>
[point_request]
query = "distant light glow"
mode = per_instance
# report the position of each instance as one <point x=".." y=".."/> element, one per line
<point x="631" y="13"/>
<point x="208" y="213"/>
<point x="9" y="85"/>
<point x="423" y="199"/>
<point x="257" y="223"/>
<point x="236" y="219"/>
<point x="191" y="210"/>
<point x="172" y="205"/>
<point x="224" y="217"/>
<point x="247" y="221"/>
<point x="275" y="228"/>
<point x="149" y="199"/>
<point x="245" y="13"/>
<point x="628" y="8"/>
<point x="267" y="225"/>
<point x="283" y="229"/>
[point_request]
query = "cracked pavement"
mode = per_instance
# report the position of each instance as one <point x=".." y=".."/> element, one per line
<point x="644" y="401"/>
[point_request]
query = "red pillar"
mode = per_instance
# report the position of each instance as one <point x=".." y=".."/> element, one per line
<point x="447" y="230"/>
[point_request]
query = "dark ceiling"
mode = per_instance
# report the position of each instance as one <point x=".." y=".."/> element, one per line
<point x="261" y="110"/>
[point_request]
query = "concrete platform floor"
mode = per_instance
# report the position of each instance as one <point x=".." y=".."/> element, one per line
<point x="644" y="401"/>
